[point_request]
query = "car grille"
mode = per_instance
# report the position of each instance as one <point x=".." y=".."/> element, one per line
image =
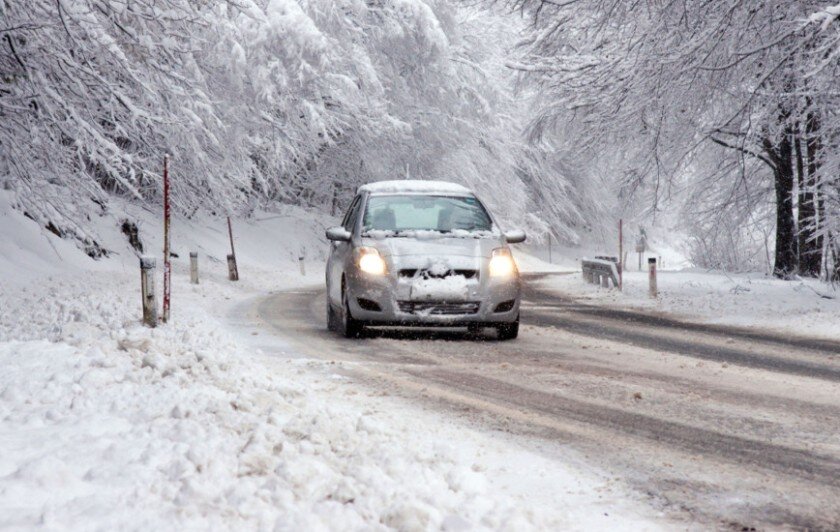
<point x="426" y="274"/>
<point x="439" y="308"/>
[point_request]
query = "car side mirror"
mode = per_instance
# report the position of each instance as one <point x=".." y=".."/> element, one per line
<point x="515" y="237"/>
<point x="338" y="234"/>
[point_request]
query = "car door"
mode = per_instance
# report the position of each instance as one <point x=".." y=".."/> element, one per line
<point x="340" y="251"/>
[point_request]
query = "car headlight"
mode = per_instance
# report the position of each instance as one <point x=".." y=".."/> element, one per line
<point x="370" y="261"/>
<point x="501" y="263"/>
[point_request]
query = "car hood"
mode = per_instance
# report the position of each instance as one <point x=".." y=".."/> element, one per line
<point x="437" y="247"/>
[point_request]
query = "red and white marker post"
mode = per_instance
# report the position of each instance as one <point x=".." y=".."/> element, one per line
<point x="167" y="266"/>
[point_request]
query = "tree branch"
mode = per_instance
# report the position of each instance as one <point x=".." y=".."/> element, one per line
<point x="747" y="151"/>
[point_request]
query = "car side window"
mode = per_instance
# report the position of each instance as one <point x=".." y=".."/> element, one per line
<point x="352" y="213"/>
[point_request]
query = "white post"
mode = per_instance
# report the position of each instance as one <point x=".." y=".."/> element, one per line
<point x="233" y="272"/>
<point x="194" y="267"/>
<point x="147" y="289"/>
<point x="302" y="266"/>
<point x="652" y="277"/>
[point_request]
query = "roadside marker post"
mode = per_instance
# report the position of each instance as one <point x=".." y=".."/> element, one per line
<point x="167" y="266"/>
<point x="233" y="271"/>
<point x="620" y="253"/>
<point x="652" y="277"/>
<point x="301" y="261"/>
<point x="147" y="290"/>
<point x="194" y="267"/>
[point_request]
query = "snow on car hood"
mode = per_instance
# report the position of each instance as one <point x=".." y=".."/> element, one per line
<point x="435" y="247"/>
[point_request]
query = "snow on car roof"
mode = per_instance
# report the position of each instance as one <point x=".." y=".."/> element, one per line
<point x="415" y="186"/>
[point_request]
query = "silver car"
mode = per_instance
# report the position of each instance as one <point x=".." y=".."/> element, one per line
<point x="416" y="253"/>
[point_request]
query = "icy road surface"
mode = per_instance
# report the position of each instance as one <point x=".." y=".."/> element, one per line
<point x="716" y="426"/>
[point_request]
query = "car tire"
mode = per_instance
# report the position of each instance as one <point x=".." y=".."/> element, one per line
<point x="508" y="331"/>
<point x="332" y="317"/>
<point x="348" y="326"/>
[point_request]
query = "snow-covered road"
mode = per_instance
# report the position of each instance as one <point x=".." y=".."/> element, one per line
<point x="245" y="413"/>
<point x="715" y="426"/>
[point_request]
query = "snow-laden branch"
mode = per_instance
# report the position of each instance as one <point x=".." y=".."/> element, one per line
<point x="826" y="16"/>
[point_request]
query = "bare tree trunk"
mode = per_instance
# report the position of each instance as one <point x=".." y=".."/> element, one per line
<point x="810" y="239"/>
<point x="782" y="155"/>
<point x="801" y="212"/>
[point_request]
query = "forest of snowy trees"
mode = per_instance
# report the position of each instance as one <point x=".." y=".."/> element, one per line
<point x="721" y="112"/>
<point x="728" y="107"/>
<point x="261" y="100"/>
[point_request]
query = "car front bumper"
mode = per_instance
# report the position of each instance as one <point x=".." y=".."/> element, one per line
<point x="387" y="300"/>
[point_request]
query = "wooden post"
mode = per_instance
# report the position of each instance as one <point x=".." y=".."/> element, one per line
<point x="652" y="277"/>
<point x="620" y="253"/>
<point x="147" y="289"/>
<point x="233" y="273"/>
<point x="167" y="266"/>
<point x="194" y="267"/>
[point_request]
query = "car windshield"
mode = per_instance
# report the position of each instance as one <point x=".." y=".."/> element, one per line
<point x="406" y="213"/>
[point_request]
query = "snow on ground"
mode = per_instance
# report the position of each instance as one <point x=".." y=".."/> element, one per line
<point x="106" y="424"/>
<point x="804" y="307"/>
<point x="747" y="300"/>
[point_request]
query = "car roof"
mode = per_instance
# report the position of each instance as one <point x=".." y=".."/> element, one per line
<point x="416" y="186"/>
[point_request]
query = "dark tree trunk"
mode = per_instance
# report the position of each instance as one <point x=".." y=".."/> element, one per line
<point x="782" y="155"/>
<point x="833" y="259"/>
<point x="801" y="180"/>
<point x="810" y="241"/>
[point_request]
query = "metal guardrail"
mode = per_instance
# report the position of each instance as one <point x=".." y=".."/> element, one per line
<point x="601" y="270"/>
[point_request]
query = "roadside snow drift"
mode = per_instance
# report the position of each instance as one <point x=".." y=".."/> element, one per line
<point x="118" y="426"/>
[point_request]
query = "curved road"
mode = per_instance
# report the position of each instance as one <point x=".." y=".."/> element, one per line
<point x="720" y="427"/>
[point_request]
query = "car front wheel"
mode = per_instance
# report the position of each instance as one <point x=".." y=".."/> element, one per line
<point x="508" y="331"/>
<point x="348" y="326"/>
<point x="332" y="317"/>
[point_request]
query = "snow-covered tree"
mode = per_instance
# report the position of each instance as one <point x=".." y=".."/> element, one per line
<point x="259" y="100"/>
<point x="710" y="101"/>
